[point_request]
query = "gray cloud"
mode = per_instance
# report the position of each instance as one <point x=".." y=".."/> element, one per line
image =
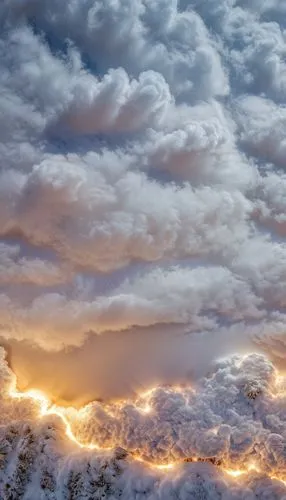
<point x="193" y="298"/>
<point x="17" y="269"/>
<point x="174" y="43"/>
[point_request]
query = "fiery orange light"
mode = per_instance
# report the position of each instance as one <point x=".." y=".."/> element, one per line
<point x="280" y="386"/>
<point x="34" y="394"/>
<point x="240" y="472"/>
<point x="145" y="409"/>
<point x="235" y="473"/>
<point x="165" y="466"/>
<point x="47" y="408"/>
<point x="147" y="393"/>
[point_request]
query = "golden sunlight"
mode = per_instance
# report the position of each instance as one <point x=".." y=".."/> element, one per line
<point x="47" y="408"/>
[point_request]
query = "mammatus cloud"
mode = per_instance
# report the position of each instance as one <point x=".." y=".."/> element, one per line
<point x="142" y="191"/>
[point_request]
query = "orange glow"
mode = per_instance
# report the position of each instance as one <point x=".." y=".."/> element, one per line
<point x="35" y="395"/>
<point x="235" y="473"/>
<point x="145" y="409"/>
<point x="148" y="393"/>
<point x="47" y="408"/>
<point x="240" y="472"/>
<point x="280" y="383"/>
<point x="162" y="467"/>
<point x="165" y="466"/>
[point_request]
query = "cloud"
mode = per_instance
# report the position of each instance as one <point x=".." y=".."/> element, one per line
<point x="17" y="269"/>
<point x="142" y="225"/>
<point x="233" y="416"/>
<point x="261" y="59"/>
<point x="197" y="299"/>
<point x="62" y="93"/>
<point x="266" y="273"/>
<point x="197" y="145"/>
<point x="265" y="139"/>
<point x="217" y="418"/>
<point x="117" y="104"/>
<point x="254" y="38"/>
<point x="94" y="216"/>
<point x="174" y="43"/>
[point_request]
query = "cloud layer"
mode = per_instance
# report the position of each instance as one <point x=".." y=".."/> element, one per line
<point x="142" y="190"/>
<point x="234" y="418"/>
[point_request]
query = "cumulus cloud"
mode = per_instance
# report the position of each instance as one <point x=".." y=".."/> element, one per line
<point x="196" y="298"/>
<point x="234" y="416"/>
<point x="139" y="36"/>
<point x="17" y="269"/>
<point x="265" y="139"/>
<point x="142" y="191"/>
<point x="94" y="216"/>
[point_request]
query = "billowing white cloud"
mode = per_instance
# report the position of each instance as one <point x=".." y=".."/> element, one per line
<point x="232" y="419"/>
<point x="234" y="416"/>
<point x="138" y="36"/>
<point x="97" y="217"/>
<point x="265" y="139"/>
<point x="142" y="191"/>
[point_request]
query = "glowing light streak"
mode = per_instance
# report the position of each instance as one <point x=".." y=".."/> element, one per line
<point x="240" y="472"/>
<point x="47" y="408"/>
<point x="235" y="473"/>
<point x="165" y="466"/>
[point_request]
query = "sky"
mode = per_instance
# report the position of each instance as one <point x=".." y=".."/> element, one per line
<point x="142" y="238"/>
